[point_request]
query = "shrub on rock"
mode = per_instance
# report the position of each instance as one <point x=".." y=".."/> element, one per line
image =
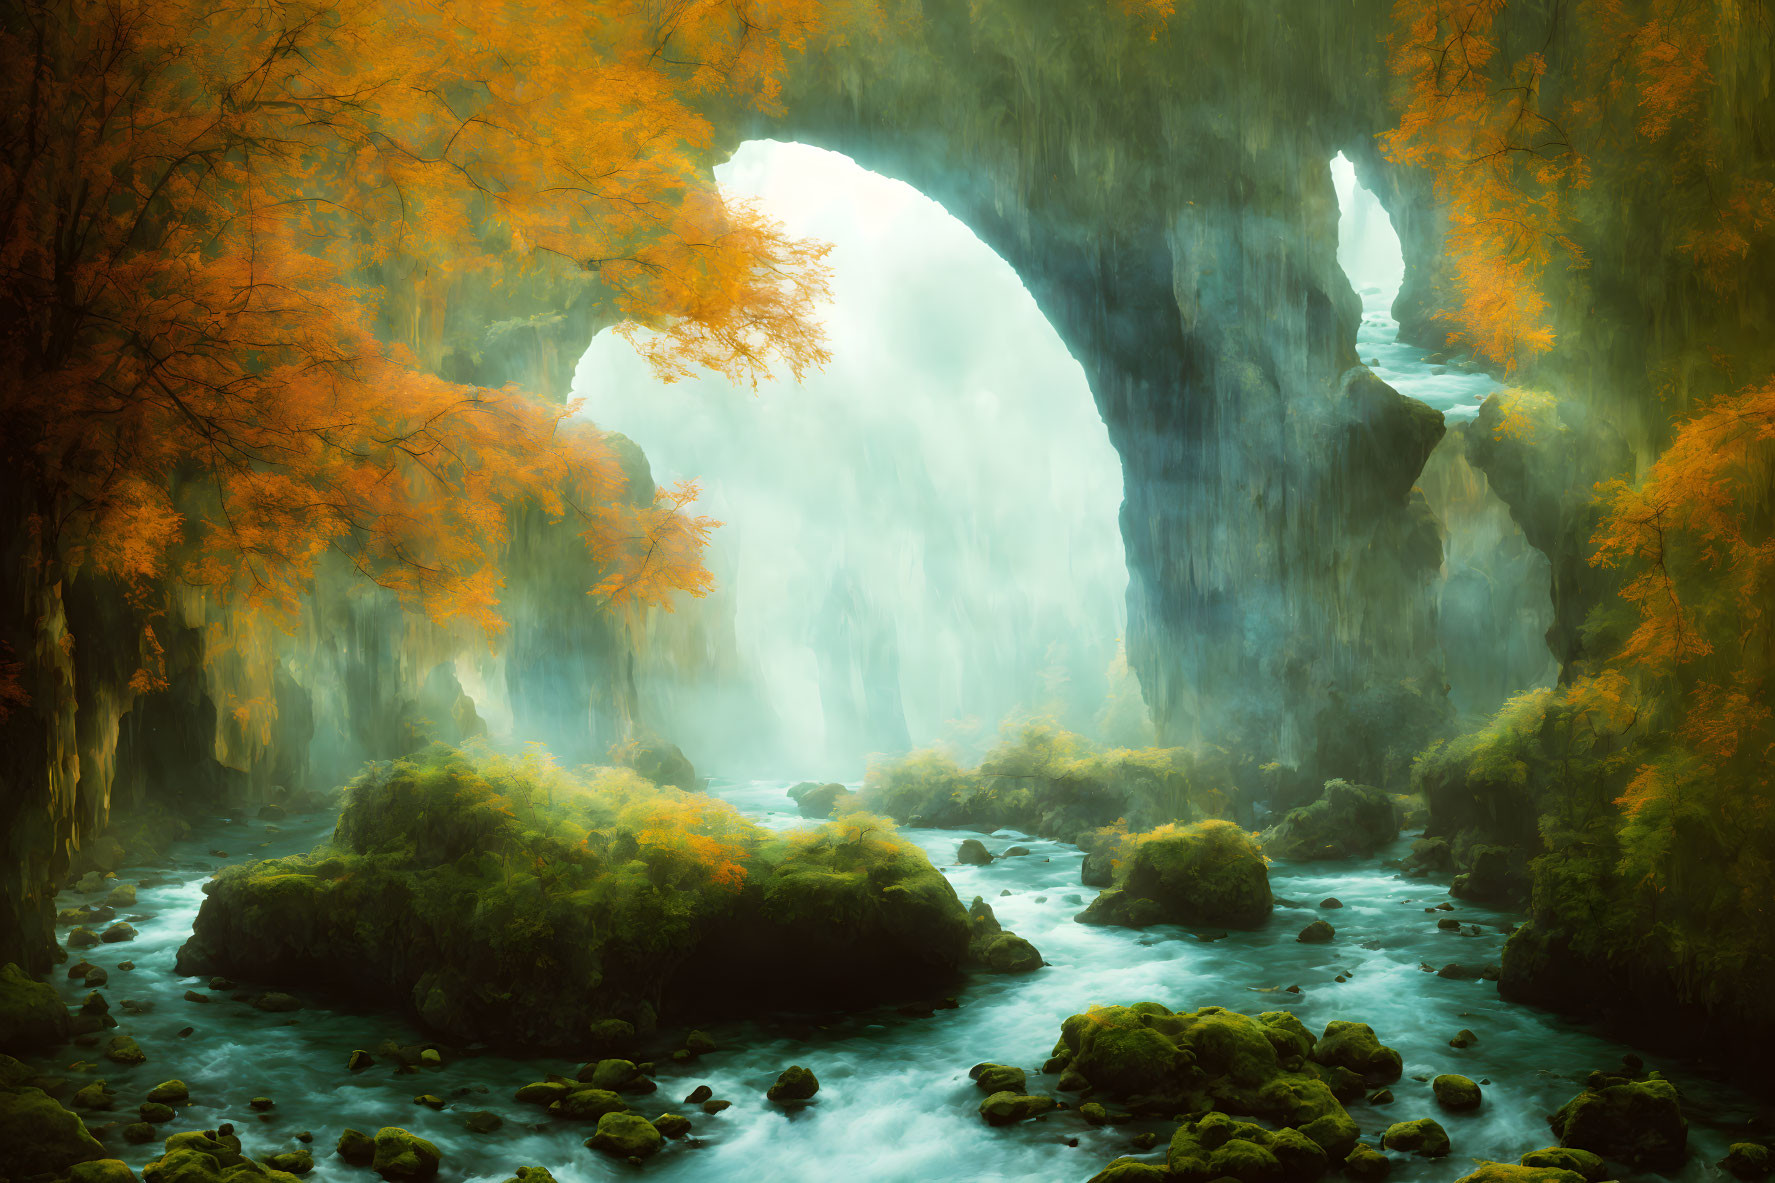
<point x="468" y="888"/>
<point x="1206" y="873"/>
<point x="1346" y="821"/>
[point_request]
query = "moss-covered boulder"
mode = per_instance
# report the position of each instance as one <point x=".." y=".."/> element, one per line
<point x="1748" y="1160"/>
<point x="998" y="1078"/>
<point x="626" y="1135"/>
<point x="1216" y="1146"/>
<point x="819" y="801"/>
<point x="1206" y="873"/>
<point x="1455" y="1092"/>
<point x="1347" y="821"/>
<point x="1131" y="1170"/>
<point x="38" y="1136"/>
<point x="1316" y="933"/>
<point x="1366" y="1164"/>
<point x="403" y="1156"/>
<point x="587" y="1104"/>
<point x="1008" y="1108"/>
<point x="31" y="1015"/>
<point x="659" y="760"/>
<point x="1356" y="1047"/>
<point x="170" y="1092"/>
<point x="995" y="950"/>
<point x="972" y="853"/>
<point x="672" y="1125"/>
<point x="1163" y="1063"/>
<point x="101" y="1170"/>
<point x="356" y="1147"/>
<point x="1633" y="1121"/>
<point x="794" y="1083"/>
<point x="1568" y="1158"/>
<point x="1509" y="1172"/>
<point x="1424" y="1137"/>
<point x="469" y="889"/>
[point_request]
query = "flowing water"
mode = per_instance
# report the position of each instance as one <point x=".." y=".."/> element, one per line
<point x="895" y="1102"/>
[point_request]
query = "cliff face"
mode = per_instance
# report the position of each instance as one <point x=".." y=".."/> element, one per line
<point x="1169" y="205"/>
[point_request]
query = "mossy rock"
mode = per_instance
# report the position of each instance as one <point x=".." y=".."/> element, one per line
<point x="626" y="1135"/>
<point x="1286" y="1033"/>
<point x="588" y="1104"/>
<point x="123" y="1050"/>
<point x="421" y="900"/>
<point x="672" y="1125"/>
<point x="1008" y="953"/>
<point x="1568" y="1158"/>
<point x="795" y="1083"/>
<point x="1456" y="1092"/>
<point x="39" y="1137"/>
<point x="101" y="1170"/>
<point x="356" y="1147"/>
<point x="819" y="802"/>
<point x="1008" y="1108"/>
<point x="1347" y="821"/>
<point x="1207" y="873"/>
<point x="1116" y="1051"/>
<point x="1131" y="1170"/>
<point x="1424" y="1137"/>
<point x="1748" y="1160"/>
<point x="296" y="1162"/>
<point x="973" y="853"/>
<point x="1366" y="1164"/>
<point x="31" y="1014"/>
<point x="543" y="1092"/>
<point x="1509" y="1172"/>
<point x="404" y="1156"/>
<point x="1316" y="933"/>
<point x="531" y="1175"/>
<point x="156" y="1113"/>
<point x="170" y="1092"/>
<point x="1355" y="1046"/>
<point x="998" y="1078"/>
<point x="1638" y="1122"/>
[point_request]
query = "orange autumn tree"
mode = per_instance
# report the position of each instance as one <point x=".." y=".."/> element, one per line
<point x="1546" y="130"/>
<point x="1525" y="116"/>
<point x="206" y="210"/>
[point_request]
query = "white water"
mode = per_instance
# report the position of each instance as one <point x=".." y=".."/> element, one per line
<point x="1369" y="252"/>
<point x="920" y="539"/>
<point x="895" y="1104"/>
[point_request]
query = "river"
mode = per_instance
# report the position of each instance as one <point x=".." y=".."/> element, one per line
<point x="895" y="1102"/>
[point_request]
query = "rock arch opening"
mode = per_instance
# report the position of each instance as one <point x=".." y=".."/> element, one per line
<point x="1493" y="595"/>
<point x="919" y="541"/>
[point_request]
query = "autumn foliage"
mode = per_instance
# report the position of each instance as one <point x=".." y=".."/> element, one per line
<point x="211" y="213"/>
<point x="1528" y="118"/>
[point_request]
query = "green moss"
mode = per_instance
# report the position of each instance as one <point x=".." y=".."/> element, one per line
<point x="1052" y="782"/>
<point x="1008" y="1108"/>
<point x="1456" y="1092"/>
<point x="1131" y="1170"/>
<point x="1639" y="1122"/>
<point x="506" y="901"/>
<point x="402" y="1156"/>
<point x="1346" y="820"/>
<point x="1208" y="873"/>
<point x="31" y="1015"/>
<point x="626" y="1135"/>
<point x="1117" y="1049"/>
<point x="1424" y="1137"/>
<point x="38" y="1136"/>
<point x="1568" y="1158"/>
<point x="1356" y="1047"/>
<point x="1504" y="1172"/>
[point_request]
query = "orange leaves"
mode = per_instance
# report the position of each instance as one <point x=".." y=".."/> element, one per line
<point x="1501" y="166"/>
<point x="704" y="834"/>
<point x="209" y="205"/>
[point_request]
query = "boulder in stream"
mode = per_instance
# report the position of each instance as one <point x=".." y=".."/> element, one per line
<point x="31" y="1014"/>
<point x="795" y="1083"/>
<point x="1207" y="873"/>
<point x="1347" y="821"/>
<point x="1639" y="1122"/>
<point x="1008" y="1108"/>
<point x="1455" y="1092"/>
<point x="821" y="801"/>
<point x="39" y="1137"/>
<point x="626" y="1135"/>
<point x="404" y="1157"/>
<point x="1423" y="1137"/>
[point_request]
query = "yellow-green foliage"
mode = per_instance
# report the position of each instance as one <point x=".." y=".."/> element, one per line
<point x="507" y="897"/>
<point x="1051" y="781"/>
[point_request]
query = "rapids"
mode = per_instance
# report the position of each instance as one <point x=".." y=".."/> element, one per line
<point x="895" y="1103"/>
